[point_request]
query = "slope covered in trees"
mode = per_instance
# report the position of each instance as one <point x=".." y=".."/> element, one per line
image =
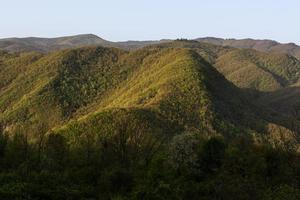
<point x="257" y="70"/>
<point x="272" y="79"/>
<point x="247" y="68"/>
<point x="158" y="122"/>
<point x="177" y="84"/>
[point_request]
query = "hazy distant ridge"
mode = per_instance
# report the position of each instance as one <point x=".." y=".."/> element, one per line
<point x="260" y="45"/>
<point x="50" y="44"/>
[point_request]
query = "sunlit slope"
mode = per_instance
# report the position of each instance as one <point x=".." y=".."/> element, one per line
<point x="48" y="89"/>
<point x="169" y="83"/>
<point x="247" y="68"/>
<point x="51" y="88"/>
<point x="162" y="89"/>
<point x="178" y="86"/>
<point x="257" y="70"/>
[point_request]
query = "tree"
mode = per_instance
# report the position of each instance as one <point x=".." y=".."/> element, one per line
<point x="55" y="151"/>
<point x="183" y="151"/>
<point x="212" y="155"/>
<point x="41" y="130"/>
<point x="17" y="148"/>
<point x="3" y="144"/>
<point x="282" y="192"/>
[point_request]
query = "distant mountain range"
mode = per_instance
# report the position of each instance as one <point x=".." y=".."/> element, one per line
<point x="51" y="44"/>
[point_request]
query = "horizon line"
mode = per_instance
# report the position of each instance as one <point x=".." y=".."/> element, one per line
<point x="138" y="40"/>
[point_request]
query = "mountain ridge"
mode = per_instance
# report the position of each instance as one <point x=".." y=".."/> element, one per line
<point x="49" y="44"/>
<point x="45" y="45"/>
<point x="174" y="83"/>
<point x="264" y="45"/>
<point x="103" y="122"/>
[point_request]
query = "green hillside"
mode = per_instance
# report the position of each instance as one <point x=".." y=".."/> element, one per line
<point x="96" y="122"/>
<point x="51" y="82"/>
<point x="171" y="88"/>
<point x="174" y="83"/>
<point x="247" y="68"/>
<point x="257" y="70"/>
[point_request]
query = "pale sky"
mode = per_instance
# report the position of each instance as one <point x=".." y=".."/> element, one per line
<point x="119" y="20"/>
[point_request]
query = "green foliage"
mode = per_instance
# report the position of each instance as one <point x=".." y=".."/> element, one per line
<point x="213" y="154"/>
<point x="188" y="167"/>
<point x="183" y="151"/>
<point x="157" y="123"/>
<point x="175" y="83"/>
<point x="257" y="70"/>
<point x="282" y="192"/>
<point x="84" y="74"/>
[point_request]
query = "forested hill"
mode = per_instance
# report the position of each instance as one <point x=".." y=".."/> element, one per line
<point x="177" y="84"/>
<point x="171" y="120"/>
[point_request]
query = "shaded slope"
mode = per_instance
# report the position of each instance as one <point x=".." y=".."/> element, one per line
<point x="285" y="101"/>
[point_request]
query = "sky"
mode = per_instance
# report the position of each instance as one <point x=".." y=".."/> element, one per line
<point x="120" y="20"/>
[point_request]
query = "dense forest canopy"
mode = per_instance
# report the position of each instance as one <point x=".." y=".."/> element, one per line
<point x="172" y="120"/>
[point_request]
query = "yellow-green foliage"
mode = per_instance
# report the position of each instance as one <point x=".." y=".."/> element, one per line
<point x="44" y="85"/>
<point x="137" y="124"/>
<point x="169" y="83"/>
<point x="76" y="88"/>
<point x="246" y="68"/>
<point x="257" y="70"/>
<point x="180" y="86"/>
<point x="207" y="51"/>
<point x="95" y="122"/>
